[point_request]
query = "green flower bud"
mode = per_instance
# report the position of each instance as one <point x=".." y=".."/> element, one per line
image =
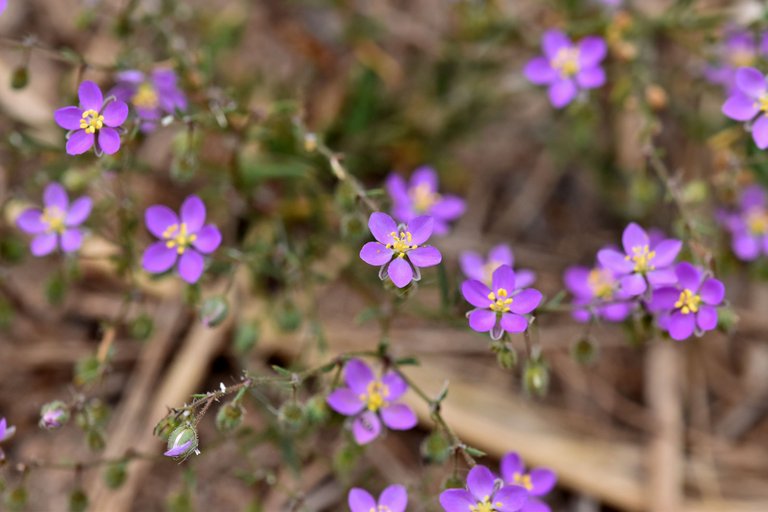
<point x="20" y="78"/>
<point x="585" y="351"/>
<point x="229" y="417"/>
<point x="78" y="501"/>
<point x="536" y="377"/>
<point x="435" y="448"/>
<point x="291" y="415"/>
<point x="114" y="475"/>
<point x="166" y="426"/>
<point x="214" y="311"/>
<point x="141" y="328"/>
<point x="95" y="440"/>
<point x="182" y="442"/>
<point x="316" y="410"/>
<point x="16" y="499"/>
<point x="54" y="415"/>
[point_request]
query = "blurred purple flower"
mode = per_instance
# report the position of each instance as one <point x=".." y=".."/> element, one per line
<point x="567" y="67"/>
<point x="57" y="224"/>
<point x="474" y="267"/>
<point x="186" y="240"/>
<point x="749" y="103"/>
<point x="502" y="306"/>
<point x="688" y="306"/>
<point x="152" y="95"/>
<point x="399" y="250"/>
<point x="420" y="197"/>
<point x="739" y="49"/>
<point x="371" y="401"/>
<point x="94" y="122"/>
<point x="596" y="292"/>
<point x="3" y="5"/>
<point x="642" y="262"/>
<point x="539" y="482"/>
<point x="178" y="450"/>
<point x="393" y="499"/>
<point x="483" y="494"/>
<point x="749" y="225"/>
<point x="6" y="431"/>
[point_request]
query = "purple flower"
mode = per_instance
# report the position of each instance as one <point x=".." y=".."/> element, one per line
<point x="54" y="415"/>
<point x="399" y="250"/>
<point x="57" y="224"/>
<point x="749" y="226"/>
<point x="184" y="240"/>
<point x="749" y="102"/>
<point x="538" y="482"/>
<point x="502" y="306"/>
<point x="420" y="197"/>
<point x="6" y="432"/>
<point x="689" y="305"/>
<point x="367" y="399"/>
<point x="567" y="67"/>
<point x="642" y="261"/>
<point x="474" y="267"/>
<point x="596" y="292"/>
<point x="393" y="499"/>
<point x="3" y="5"/>
<point x="484" y="494"/>
<point x="152" y="96"/>
<point x="94" y="122"/>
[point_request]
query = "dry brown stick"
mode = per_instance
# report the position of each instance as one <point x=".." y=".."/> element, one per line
<point x="665" y="454"/>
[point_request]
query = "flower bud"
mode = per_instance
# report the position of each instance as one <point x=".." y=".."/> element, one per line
<point x="291" y="415"/>
<point x="182" y="442"/>
<point x="166" y="426"/>
<point x="229" y="417"/>
<point x="114" y="476"/>
<point x="214" y="311"/>
<point x="141" y="327"/>
<point x="95" y="440"/>
<point x="316" y="410"/>
<point x="20" y="77"/>
<point x="585" y="351"/>
<point x="435" y="448"/>
<point x="536" y="377"/>
<point x="54" y="415"/>
<point x="78" y="501"/>
<point x="16" y="499"/>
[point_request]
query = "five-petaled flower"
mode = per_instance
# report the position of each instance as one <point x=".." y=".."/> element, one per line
<point x="6" y="431"/>
<point x="537" y="482"/>
<point x="392" y="499"/>
<point x="185" y="240"/>
<point x="151" y="95"/>
<point x="596" y="292"/>
<point x="420" y="197"/>
<point x="567" y="67"/>
<point x="367" y="399"/>
<point x="749" y="225"/>
<point x="690" y="305"/>
<point x="95" y="123"/>
<point x="502" y="306"/>
<point x="399" y="250"/>
<point x="484" y="493"/>
<point x="643" y="262"/>
<point x="57" y="224"/>
<point x="475" y="267"/>
<point x="749" y="103"/>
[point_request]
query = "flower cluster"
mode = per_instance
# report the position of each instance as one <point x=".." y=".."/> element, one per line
<point x="484" y="492"/>
<point x="741" y="48"/>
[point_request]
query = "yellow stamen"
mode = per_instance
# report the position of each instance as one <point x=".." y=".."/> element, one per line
<point x="145" y="97"/>
<point x="642" y="257"/>
<point x="601" y="282"/>
<point x="757" y="221"/>
<point x="523" y="480"/>
<point x="500" y="301"/>
<point x="688" y="302"/>
<point x="566" y="61"/>
<point x="92" y="121"/>
<point x="486" y="505"/>
<point x="54" y="217"/>
<point x="742" y="58"/>
<point x="177" y="236"/>
<point x="375" y="395"/>
<point x="423" y="197"/>
<point x="762" y="103"/>
<point x="401" y="242"/>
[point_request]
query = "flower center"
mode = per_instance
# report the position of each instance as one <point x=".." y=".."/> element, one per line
<point x="423" y="197"/>
<point x="54" y="217"/>
<point x="488" y="270"/>
<point x="485" y="505"/>
<point x="566" y="61"/>
<point x="178" y="237"/>
<point x="642" y="257"/>
<point x="501" y="301"/>
<point x="601" y="282"/>
<point x="145" y="97"/>
<point x="757" y="221"/>
<point x="688" y="302"/>
<point x="375" y="395"/>
<point x="401" y="242"/>
<point x="380" y="508"/>
<point x="91" y="121"/>
<point x="523" y="480"/>
<point x="742" y="57"/>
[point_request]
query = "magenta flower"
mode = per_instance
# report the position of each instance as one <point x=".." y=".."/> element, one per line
<point x="399" y="250"/>
<point x="690" y="305"/>
<point x="739" y="49"/>
<point x="3" y="5"/>
<point x="749" y="102"/>
<point x="567" y="67"/>
<point x="185" y="240"/>
<point x="57" y="224"/>
<point x="420" y="197"/>
<point x="596" y="292"/>
<point x="538" y="482"/>
<point x="484" y="494"/>
<point x="371" y="401"/>
<point x="95" y="122"/>
<point x="475" y="267"/>
<point x="393" y="499"/>
<point x="642" y="261"/>
<point x="749" y="225"/>
<point x="502" y="306"/>
<point x="6" y="431"/>
<point x="152" y="96"/>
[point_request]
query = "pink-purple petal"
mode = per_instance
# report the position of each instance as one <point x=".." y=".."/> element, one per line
<point x="745" y="246"/>
<point x="539" y="71"/>
<point x="68" y="117"/>
<point x="115" y="113"/>
<point x="375" y="253"/>
<point x="592" y="51"/>
<point x="208" y="239"/>
<point x="90" y="96"/>
<point x="421" y="228"/>
<point x="345" y="401"/>
<point x="108" y="140"/>
<point x="553" y="41"/>
<point x="512" y="322"/>
<point x="425" y="256"/>
<point x="740" y="107"/>
<point x="78" y="211"/>
<point x="562" y="93"/>
<point x="395" y="385"/>
<point x="760" y="132"/>
<point x="614" y="260"/>
<point x="360" y="500"/>
<point x="400" y="272"/>
<point x="55" y="196"/>
<point x="591" y="78"/>
<point x="663" y="299"/>
<point x="366" y="427"/>
<point x="394" y="498"/>
<point x="666" y="252"/>
<point x="457" y="500"/>
<point x="634" y="236"/>
<point x="751" y="82"/>
<point x="472" y="264"/>
<point x="191" y="266"/>
<point x="358" y="375"/>
<point x="688" y="276"/>
<point x="476" y="293"/>
<point x="681" y="326"/>
<point x="501" y="255"/>
<point x="524" y="278"/>
<point x="43" y="245"/>
<point x="178" y="450"/>
<point x="480" y="482"/>
<point x="712" y="292"/>
<point x="193" y="213"/>
<point x="71" y="240"/>
<point x="30" y="221"/>
<point x="510" y="498"/>
<point x="510" y="464"/>
<point x="503" y="278"/>
<point x="424" y="176"/>
<point x="448" y="208"/>
<point x="632" y="285"/>
<point x="79" y="142"/>
<point x="706" y="318"/>
<point x="525" y="301"/>
<point x="158" y="218"/>
<point x="482" y="320"/>
<point x="158" y="258"/>
<point x="398" y="417"/>
<point x="382" y="226"/>
<point x="542" y="481"/>
<point x="535" y="505"/>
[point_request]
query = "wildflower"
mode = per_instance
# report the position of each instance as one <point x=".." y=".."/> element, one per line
<point x="399" y="250"/>
<point x="739" y="49"/>
<point x="567" y="67"/>
<point x="484" y="494"/>
<point x="596" y="292"/>
<point x="151" y="95"/>
<point x="749" y="226"/>
<point x="182" y="442"/>
<point x="183" y="240"/>
<point x="94" y="122"/>
<point x="393" y="499"/>
<point x="749" y="103"/>
<point x="370" y="400"/>
<point x="6" y="431"/>
<point x="538" y="482"/>
<point x="689" y="305"/>
<point x="58" y="223"/>
<point x="54" y="415"/>
<point x="502" y="306"/>
<point x="3" y="5"/>
<point x="420" y="197"/>
<point x="474" y="267"/>
<point x="642" y="261"/>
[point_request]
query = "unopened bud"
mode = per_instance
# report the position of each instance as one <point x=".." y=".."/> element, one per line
<point x="536" y="377"/>
<point x="291" y="414"/>
<point x="166" y="426"/>
<point x="78" y="501"/>
<point x="182" y="442"/>
<point x="585" y="351"/>
<point x="310" y="142"/>
<point x="54" y="415"/>
<point x="229" y="417"/>
<point x="214" y="311"/>
<point x="20" y="77"/>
